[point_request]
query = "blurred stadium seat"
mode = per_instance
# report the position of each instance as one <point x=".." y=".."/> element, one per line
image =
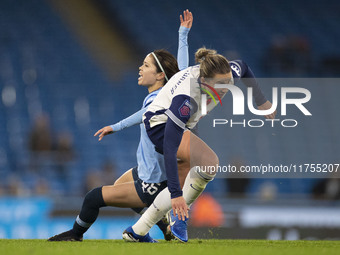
<point x="43" y="63"/>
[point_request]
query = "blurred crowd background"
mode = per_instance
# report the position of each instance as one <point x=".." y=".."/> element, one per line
<point x="68" y="68"/>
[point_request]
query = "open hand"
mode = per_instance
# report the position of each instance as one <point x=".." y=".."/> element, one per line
<point x="103" y="132"/>
<point x="186" y="19"/>
<point x="180" y="208"/>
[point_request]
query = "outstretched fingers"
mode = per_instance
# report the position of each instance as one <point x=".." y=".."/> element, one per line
<point x="98" y="132"/>
<point x="186" y="19"/>
<point x="180" y="208"/>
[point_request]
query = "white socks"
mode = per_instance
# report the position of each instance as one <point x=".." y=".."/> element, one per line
<point x="160" y="206"/>
<point x="194" y="185"/>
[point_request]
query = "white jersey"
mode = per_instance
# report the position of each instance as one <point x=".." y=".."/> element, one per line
<point x="183" y="83"/>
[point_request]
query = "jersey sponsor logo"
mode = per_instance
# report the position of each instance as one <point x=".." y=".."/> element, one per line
<point x="236" y="69"/>
<point x="184" y="109"/>
<point x="185" y="75"/>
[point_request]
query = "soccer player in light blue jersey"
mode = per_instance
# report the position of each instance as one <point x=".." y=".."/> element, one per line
<point x="137" y="187"/>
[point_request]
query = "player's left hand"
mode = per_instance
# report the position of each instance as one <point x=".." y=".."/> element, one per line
<point x="186" y="19"/>
<point x="266" y="106"/>
<point x="180" y="207"/>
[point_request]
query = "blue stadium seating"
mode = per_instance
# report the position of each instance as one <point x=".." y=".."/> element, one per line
<point x="33" y="37"/>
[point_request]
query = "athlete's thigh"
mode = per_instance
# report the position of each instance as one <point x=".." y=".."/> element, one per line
<point x="194" y="150"/>
<point x="183" y="155"/>
<point x="122" y="195"/>
<point x="125" y="177"/>
<point x="183" y="152"/>
<point x="183" y="170"/>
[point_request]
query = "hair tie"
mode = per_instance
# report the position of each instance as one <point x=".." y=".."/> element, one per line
<point x="202" y="58"/>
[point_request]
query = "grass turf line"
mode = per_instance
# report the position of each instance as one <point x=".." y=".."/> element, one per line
<point x="197" y="247"/>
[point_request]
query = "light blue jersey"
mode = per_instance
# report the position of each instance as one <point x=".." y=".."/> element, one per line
<point x="150" y="163"/>
<point x="151" y="168"/>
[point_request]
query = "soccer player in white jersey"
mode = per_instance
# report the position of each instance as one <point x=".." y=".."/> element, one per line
<point x="176" y="109"/>
<point x="138" y="186"/>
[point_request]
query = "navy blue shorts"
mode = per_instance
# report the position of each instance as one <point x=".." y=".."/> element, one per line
<point x="147" y="192"/>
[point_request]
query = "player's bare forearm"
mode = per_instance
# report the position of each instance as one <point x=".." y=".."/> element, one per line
<point x="266" y="106"/>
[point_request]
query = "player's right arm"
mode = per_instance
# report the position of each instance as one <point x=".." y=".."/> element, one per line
<point x="132" y="120"/>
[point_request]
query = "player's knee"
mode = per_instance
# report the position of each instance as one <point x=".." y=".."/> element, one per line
<point x="215" y="159"/>
<point x="94" y="198"/>
<point x="211" y="162"/>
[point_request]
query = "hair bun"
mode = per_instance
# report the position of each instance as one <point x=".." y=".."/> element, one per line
<point x="211" y="63"/>
<point x="202" y="53"/>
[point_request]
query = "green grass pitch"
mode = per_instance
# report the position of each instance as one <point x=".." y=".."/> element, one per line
<point x="194" y="247"/>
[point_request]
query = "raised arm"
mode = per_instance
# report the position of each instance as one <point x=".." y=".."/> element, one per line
<point x="183" y="62"/>
<point x="183" y="52"/>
